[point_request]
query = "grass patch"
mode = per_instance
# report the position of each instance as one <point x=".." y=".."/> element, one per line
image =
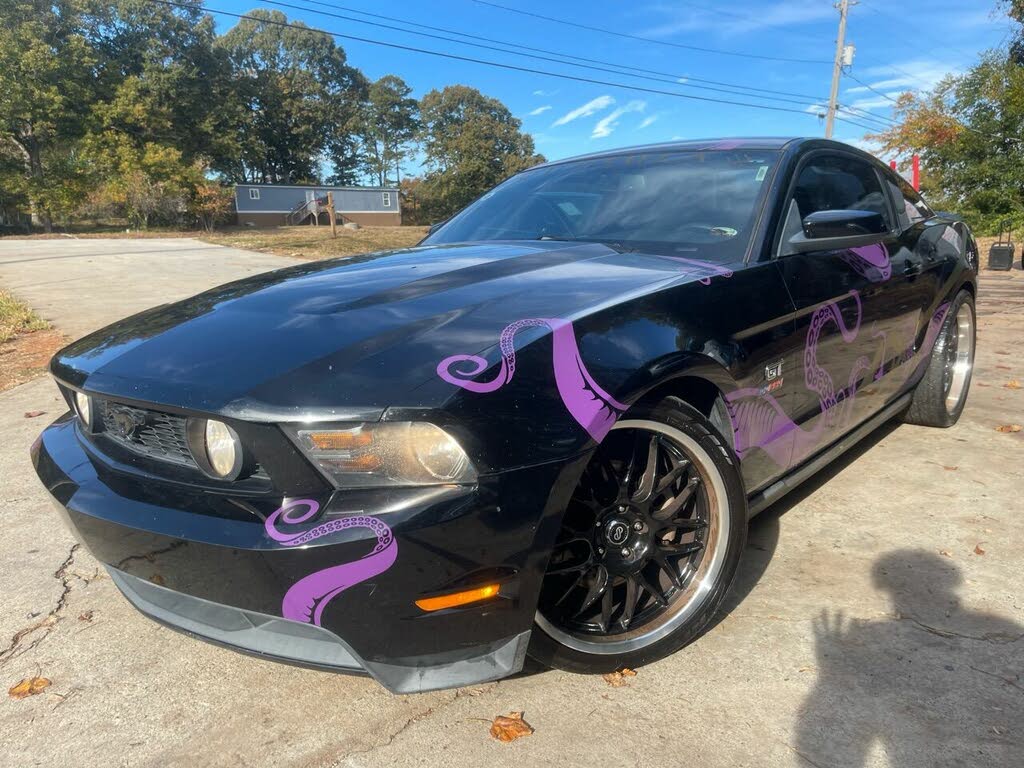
<point x="16" y="317"/>
<point x="308" y="242"/>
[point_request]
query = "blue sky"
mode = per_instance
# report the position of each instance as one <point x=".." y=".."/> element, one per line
<point x="901" y="44"/>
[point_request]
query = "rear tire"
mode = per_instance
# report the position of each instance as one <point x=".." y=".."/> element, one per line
<point x="941" y="395"/>
<point x="658" y="522"/>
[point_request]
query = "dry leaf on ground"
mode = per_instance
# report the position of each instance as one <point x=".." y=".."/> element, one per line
<point x="510" y="727"/>
<point x="1012" y="384"/>
<point x="157" y="579"/>
<point x="1007" y="428"/>
<point x="618" y="679"/>
<point x="33" y="414"/>
<point x="30" y="686"/>
<point x="950" y="469"/>
<point x="978" y="550"/>
<point x="85" y="616"/>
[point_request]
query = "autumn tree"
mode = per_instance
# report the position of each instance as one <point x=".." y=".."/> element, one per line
<point x="470" y="142"/>
<point x="969" y="132"/>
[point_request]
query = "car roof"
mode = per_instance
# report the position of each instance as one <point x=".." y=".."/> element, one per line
<point x="710" y="145"/>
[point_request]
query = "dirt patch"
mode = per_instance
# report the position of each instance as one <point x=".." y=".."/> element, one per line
<point x="26" y="356"/>
<point x="308" y="242"/>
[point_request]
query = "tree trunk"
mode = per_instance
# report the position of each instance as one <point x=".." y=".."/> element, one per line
<point x="34" y="156"/>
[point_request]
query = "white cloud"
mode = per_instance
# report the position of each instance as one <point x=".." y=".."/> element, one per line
<point x="908" y="75"/>
<point x="784" y="13"/>
<point x="874" y="102"/>
<point x="647" y="121"/>
<point x="607" y="124"/>
<point x="540" y="110"/>
<point x="592" y="106"/>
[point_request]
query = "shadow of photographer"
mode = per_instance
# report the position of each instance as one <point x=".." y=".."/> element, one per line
<point x="932" y="684"/>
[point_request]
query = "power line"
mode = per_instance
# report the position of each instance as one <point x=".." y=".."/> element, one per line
<point x="651" y="40"/>
<point x="675" y="77"/>
<point x="469" y="59"/>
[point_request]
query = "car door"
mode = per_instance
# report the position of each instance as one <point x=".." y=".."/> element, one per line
<point x="848" y="301"/>
<point x="919" y="253"/>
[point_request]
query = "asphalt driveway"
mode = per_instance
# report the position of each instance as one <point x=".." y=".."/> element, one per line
<point x="878" y="619"/>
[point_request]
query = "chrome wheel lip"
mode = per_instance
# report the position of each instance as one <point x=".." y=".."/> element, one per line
<point x="688" y="602"/>
<point x="959" y="358"/>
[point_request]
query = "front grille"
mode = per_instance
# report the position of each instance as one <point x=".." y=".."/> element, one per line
<point x="150" y="433"/>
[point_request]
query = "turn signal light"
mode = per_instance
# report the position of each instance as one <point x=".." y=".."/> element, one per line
<point x="344" y="440"/>
<point x="458" y="598"/>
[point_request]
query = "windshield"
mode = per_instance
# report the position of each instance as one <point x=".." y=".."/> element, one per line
<point x="693" y="202"/>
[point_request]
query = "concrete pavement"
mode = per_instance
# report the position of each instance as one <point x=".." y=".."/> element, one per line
<point x="878" y="619"/>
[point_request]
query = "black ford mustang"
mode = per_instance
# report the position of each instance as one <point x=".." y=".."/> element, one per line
<point x="542" y="431"/>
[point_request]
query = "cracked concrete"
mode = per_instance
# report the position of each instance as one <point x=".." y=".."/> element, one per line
<point x="864" y="629"/>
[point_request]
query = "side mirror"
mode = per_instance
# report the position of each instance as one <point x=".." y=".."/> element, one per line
<point x="836" y="230"/>
<point x="827" y="224"/>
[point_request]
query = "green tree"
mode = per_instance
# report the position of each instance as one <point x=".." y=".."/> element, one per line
<point x="471" y="142"/>
<point x="293" y="88"/>
<point x="388" y="121"/>
<point x="47" y="84"/>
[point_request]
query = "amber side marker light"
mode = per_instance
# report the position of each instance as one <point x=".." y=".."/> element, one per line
<point x="458" y="598"/>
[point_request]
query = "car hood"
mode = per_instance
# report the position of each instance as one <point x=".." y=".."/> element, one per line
<point x="347" y="338"/>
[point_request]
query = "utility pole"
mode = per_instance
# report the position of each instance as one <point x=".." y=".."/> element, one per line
<point x="837" y="67"/>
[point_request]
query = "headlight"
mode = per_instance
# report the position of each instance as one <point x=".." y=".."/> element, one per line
<point x="84" y="407"/>
<point x="389" y="453"/>
<point x="216" y="448"/>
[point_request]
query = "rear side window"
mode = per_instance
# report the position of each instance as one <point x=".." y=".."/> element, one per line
<point x="910" y="206"/>
<point x="839" y="182"/>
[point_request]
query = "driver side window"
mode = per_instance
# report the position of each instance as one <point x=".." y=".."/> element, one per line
<point x="830" y="183"/>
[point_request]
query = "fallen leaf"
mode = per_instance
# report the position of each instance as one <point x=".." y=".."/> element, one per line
<point x="1004" y="367"/>
<point x="33" y="414"/>
<point x="1012" y="384"/>
<point x="945" y="553"/>
<point x="85" y="616"/>
<point x="950" y="469"/>
<point x="1007" y="428"/>
<point x="30" y="686"/>
<point x="157" y="579"/>
<point x="978" y="550"/>
<point x="618" y="679"/>
<point x="981" y="384"/>
<point x="510" y="727"/>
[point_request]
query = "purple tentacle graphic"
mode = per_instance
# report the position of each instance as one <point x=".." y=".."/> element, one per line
<point x="591" y="406"/>
<point x="870" y="261"/>
<point x="758" y="419"/>
<point x="306" y="599"/>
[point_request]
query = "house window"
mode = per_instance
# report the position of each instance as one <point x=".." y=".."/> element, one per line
<point x="254" y="194"/>
<point x="386" y="197"/>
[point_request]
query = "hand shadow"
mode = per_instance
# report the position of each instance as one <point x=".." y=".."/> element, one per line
<point x="935" y="685"/>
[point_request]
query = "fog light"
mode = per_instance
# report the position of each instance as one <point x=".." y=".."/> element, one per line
<point x="84" y="407"/>
<point x="222" y="449"/>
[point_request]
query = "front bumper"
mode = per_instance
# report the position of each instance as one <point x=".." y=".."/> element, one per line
<point x="202" y="562"/>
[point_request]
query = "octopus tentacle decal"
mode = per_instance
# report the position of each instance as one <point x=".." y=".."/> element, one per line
<point x="759" y="421"/>
<point x="870" y="261"/>
<point x="591" y="406"/>
<point x="306" y="599"/>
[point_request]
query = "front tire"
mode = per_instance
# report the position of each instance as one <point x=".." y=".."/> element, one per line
<point x="941" y="395"/>
<point x="649" y="546"/>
